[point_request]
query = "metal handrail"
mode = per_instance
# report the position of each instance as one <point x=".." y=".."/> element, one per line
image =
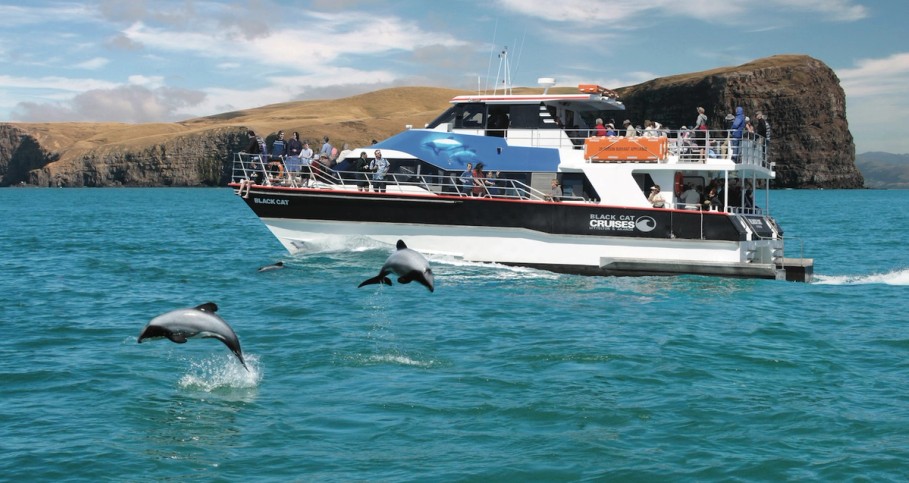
<point x="254" y="168"/>
<point x="686" y="145"/>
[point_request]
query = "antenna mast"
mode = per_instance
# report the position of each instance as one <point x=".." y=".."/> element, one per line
<point x="505" y="72"/>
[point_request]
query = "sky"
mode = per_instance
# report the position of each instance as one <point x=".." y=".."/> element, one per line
<point x="139" y="61"/>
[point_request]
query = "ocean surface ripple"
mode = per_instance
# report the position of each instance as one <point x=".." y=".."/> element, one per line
<point x="502" y="374"/>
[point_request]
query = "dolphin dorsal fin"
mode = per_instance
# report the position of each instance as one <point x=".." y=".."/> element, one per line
<point x="401" y="245"/>
<point x="207" y="307"/>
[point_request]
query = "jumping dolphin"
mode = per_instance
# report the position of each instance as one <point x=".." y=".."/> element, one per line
<point x="274" y="266"/>
<point x="408" y="264"/>
<point x="201" y="321"/>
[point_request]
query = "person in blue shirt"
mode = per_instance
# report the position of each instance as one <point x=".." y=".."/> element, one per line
<point x="326" y="147"/>
<point x="738" y="125"/>
<point x="466" y="179"/>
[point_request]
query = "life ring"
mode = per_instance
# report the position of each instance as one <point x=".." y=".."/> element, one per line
<point x="679" y="183"/>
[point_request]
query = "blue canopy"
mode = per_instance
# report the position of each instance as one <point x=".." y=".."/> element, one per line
<point x="452" y="152"/>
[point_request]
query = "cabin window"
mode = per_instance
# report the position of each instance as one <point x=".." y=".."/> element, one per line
<point x="526" y="116"/>
<point x="577" y="185"/>
<point x="644" y="182"/>
<point x="498" y="121"/>
<point x="471" y="116"/>
<point x="446" y="117"/>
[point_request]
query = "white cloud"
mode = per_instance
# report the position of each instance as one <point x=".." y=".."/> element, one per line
<point x="874" y="77"/>
<point x="836" y="10"/>
<point x="130" y="104"/>
<point x="304" y="46"/>
<point x="146" y="81"/>
<point x="67" y="84"/>
<point x="877" y="102"/>
<point x="634" y="15"/>
<point x="93" y="64"/>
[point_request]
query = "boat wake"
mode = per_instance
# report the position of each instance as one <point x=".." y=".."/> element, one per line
<point x="896" y="277"/>
<point x="222" y="372"/>
<point x="460" y="262"/>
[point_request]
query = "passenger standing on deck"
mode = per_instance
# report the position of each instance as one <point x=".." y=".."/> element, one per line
<point x="294" y="147"/>
<point x="306" y="162"/>
<point x="278" y="146"/>
<point x="253" y="169"/>
<point x="326" y="147"/>
<point x="466" y="179"/>
<point x="700" y="130"/>
<point x="600" y="128"/>
<point x="763" y="130"/>
<point x="610" y="130"/>
<point x="655" y="198"/>
<point x="254" y="146"/>
<point x="691" y="198"/>
<point x="555" y="191"/>
<point x="345" y="152"/>
<point x="713" y="202"/>
<point x="630" y="132"/>
<point x="379" y="167"/>
<point x="479" y="181"/>
<point x="738" y="125"/>
<point x="361" y="166"/>
<point x="749" y="194"/>
<point x="278" y="151"/>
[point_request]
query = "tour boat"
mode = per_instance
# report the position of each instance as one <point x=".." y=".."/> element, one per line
<point x="602" y="224"/>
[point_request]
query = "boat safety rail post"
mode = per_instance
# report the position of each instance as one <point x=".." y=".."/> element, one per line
<point x="248" y="167"/>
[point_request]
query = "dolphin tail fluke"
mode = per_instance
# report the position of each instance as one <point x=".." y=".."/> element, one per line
<point x="380" y="278"/>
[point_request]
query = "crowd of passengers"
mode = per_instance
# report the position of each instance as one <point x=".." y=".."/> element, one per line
<point x="285" y="161"/>
<point x="695" y="140"/>
<point x="708" y="198"/>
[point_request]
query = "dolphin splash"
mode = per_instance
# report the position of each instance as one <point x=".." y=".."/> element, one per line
<point x="408" y="265"/>
<point x="197" y="322"/>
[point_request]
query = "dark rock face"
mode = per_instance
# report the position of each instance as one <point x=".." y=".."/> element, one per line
<point x="20" y="153"/>
<point x="201" y="159"/>
<point x="801" y="97"/>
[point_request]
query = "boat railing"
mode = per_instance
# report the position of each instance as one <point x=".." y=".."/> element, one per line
<point x="732" y="208"/>
<point x="685" y="145"/>
<point x="266" y="171"/>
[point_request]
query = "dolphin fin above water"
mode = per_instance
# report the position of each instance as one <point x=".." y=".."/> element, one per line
<point x="409" y="265"/>
<point x="198" y="322"/>
<point x="274" y="266"/>
<point x="380" y="278"/>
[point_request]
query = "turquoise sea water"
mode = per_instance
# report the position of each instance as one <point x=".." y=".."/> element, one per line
<point x="502" y="374"/>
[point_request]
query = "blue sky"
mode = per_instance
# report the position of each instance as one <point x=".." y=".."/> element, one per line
<point x="161" y="60"/>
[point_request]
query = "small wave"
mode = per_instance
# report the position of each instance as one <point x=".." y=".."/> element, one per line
<point x="397" y="359"/>
<point x="223" y="372"/>
<point x="896" y="277"/>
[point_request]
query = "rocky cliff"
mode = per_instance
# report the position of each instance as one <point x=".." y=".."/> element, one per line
<point x="801" y="96"/>
<point x="810" y="140"/>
